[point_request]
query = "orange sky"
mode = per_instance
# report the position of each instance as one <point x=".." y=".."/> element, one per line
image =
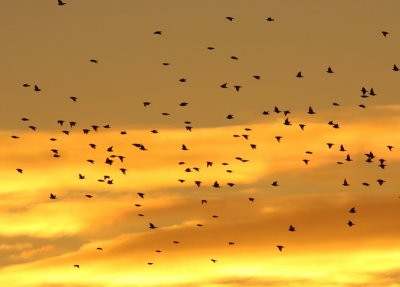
<point x="41" y="239"/>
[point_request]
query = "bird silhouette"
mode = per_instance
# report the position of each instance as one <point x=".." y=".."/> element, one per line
<point x="352" y="210"/>
<point x="152" y="226"/>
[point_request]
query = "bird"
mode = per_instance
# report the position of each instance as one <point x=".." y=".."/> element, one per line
<point x="385" y="33"/>
<point x="380" y="181"/>
<point x="76" y="266"/>
<point x="329" y="70"/>
<point x="81" y="176"/>
<point x="275" y="183"/>
<point x="302" y="126"/>
<point x="99" y="248"/>
<point x="93" y="61"/>
<point x="287" y="122"/>
<point x="230" y="18"/>
<point x="345" y="183"/>
<point x="88" y="195"/>
<point x="395" y="68"/>
<point x="197" y="182"/>
<point x="157" y="32"/>
<point x="251" y="199"/>
<point x="26" y="85"/>
<point x="270" y="19"/>
<point x="184" y="147"/>
<point x="306" y="161"/>
<point x="141" y="194"/>
<point x="237" y="88"/>
<point x="352" y="210"/>
<point x="390" y="147"/>
<point x="278" y="138"/>
<point x="280" y="247"/>
<point x="216" y="184"/>
<point x="350" y="223"/>
<point x="234" y="58"/>
<point x="292" y="228"/>
<point x="152" y="226"/>
<point x="53" y="196"/>
<point x="74" y="99"/>
<point x="213" y="260"/>
<point x="257" y="77"/>
<point x="145" y="104"/>
<point x="19" y="170"/>
<point x="299" y="75"/>
<point x="310" y="111"/>
<point x="37" y="89"/>
<point x="229" y="117"/>
<point x="224" y="85"/>
<point x="276" y="110"/>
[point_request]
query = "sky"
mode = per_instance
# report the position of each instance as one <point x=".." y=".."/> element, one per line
<point x="95" y="231"/>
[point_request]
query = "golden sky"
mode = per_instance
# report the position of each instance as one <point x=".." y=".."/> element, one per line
<point x="237" y="226"/>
